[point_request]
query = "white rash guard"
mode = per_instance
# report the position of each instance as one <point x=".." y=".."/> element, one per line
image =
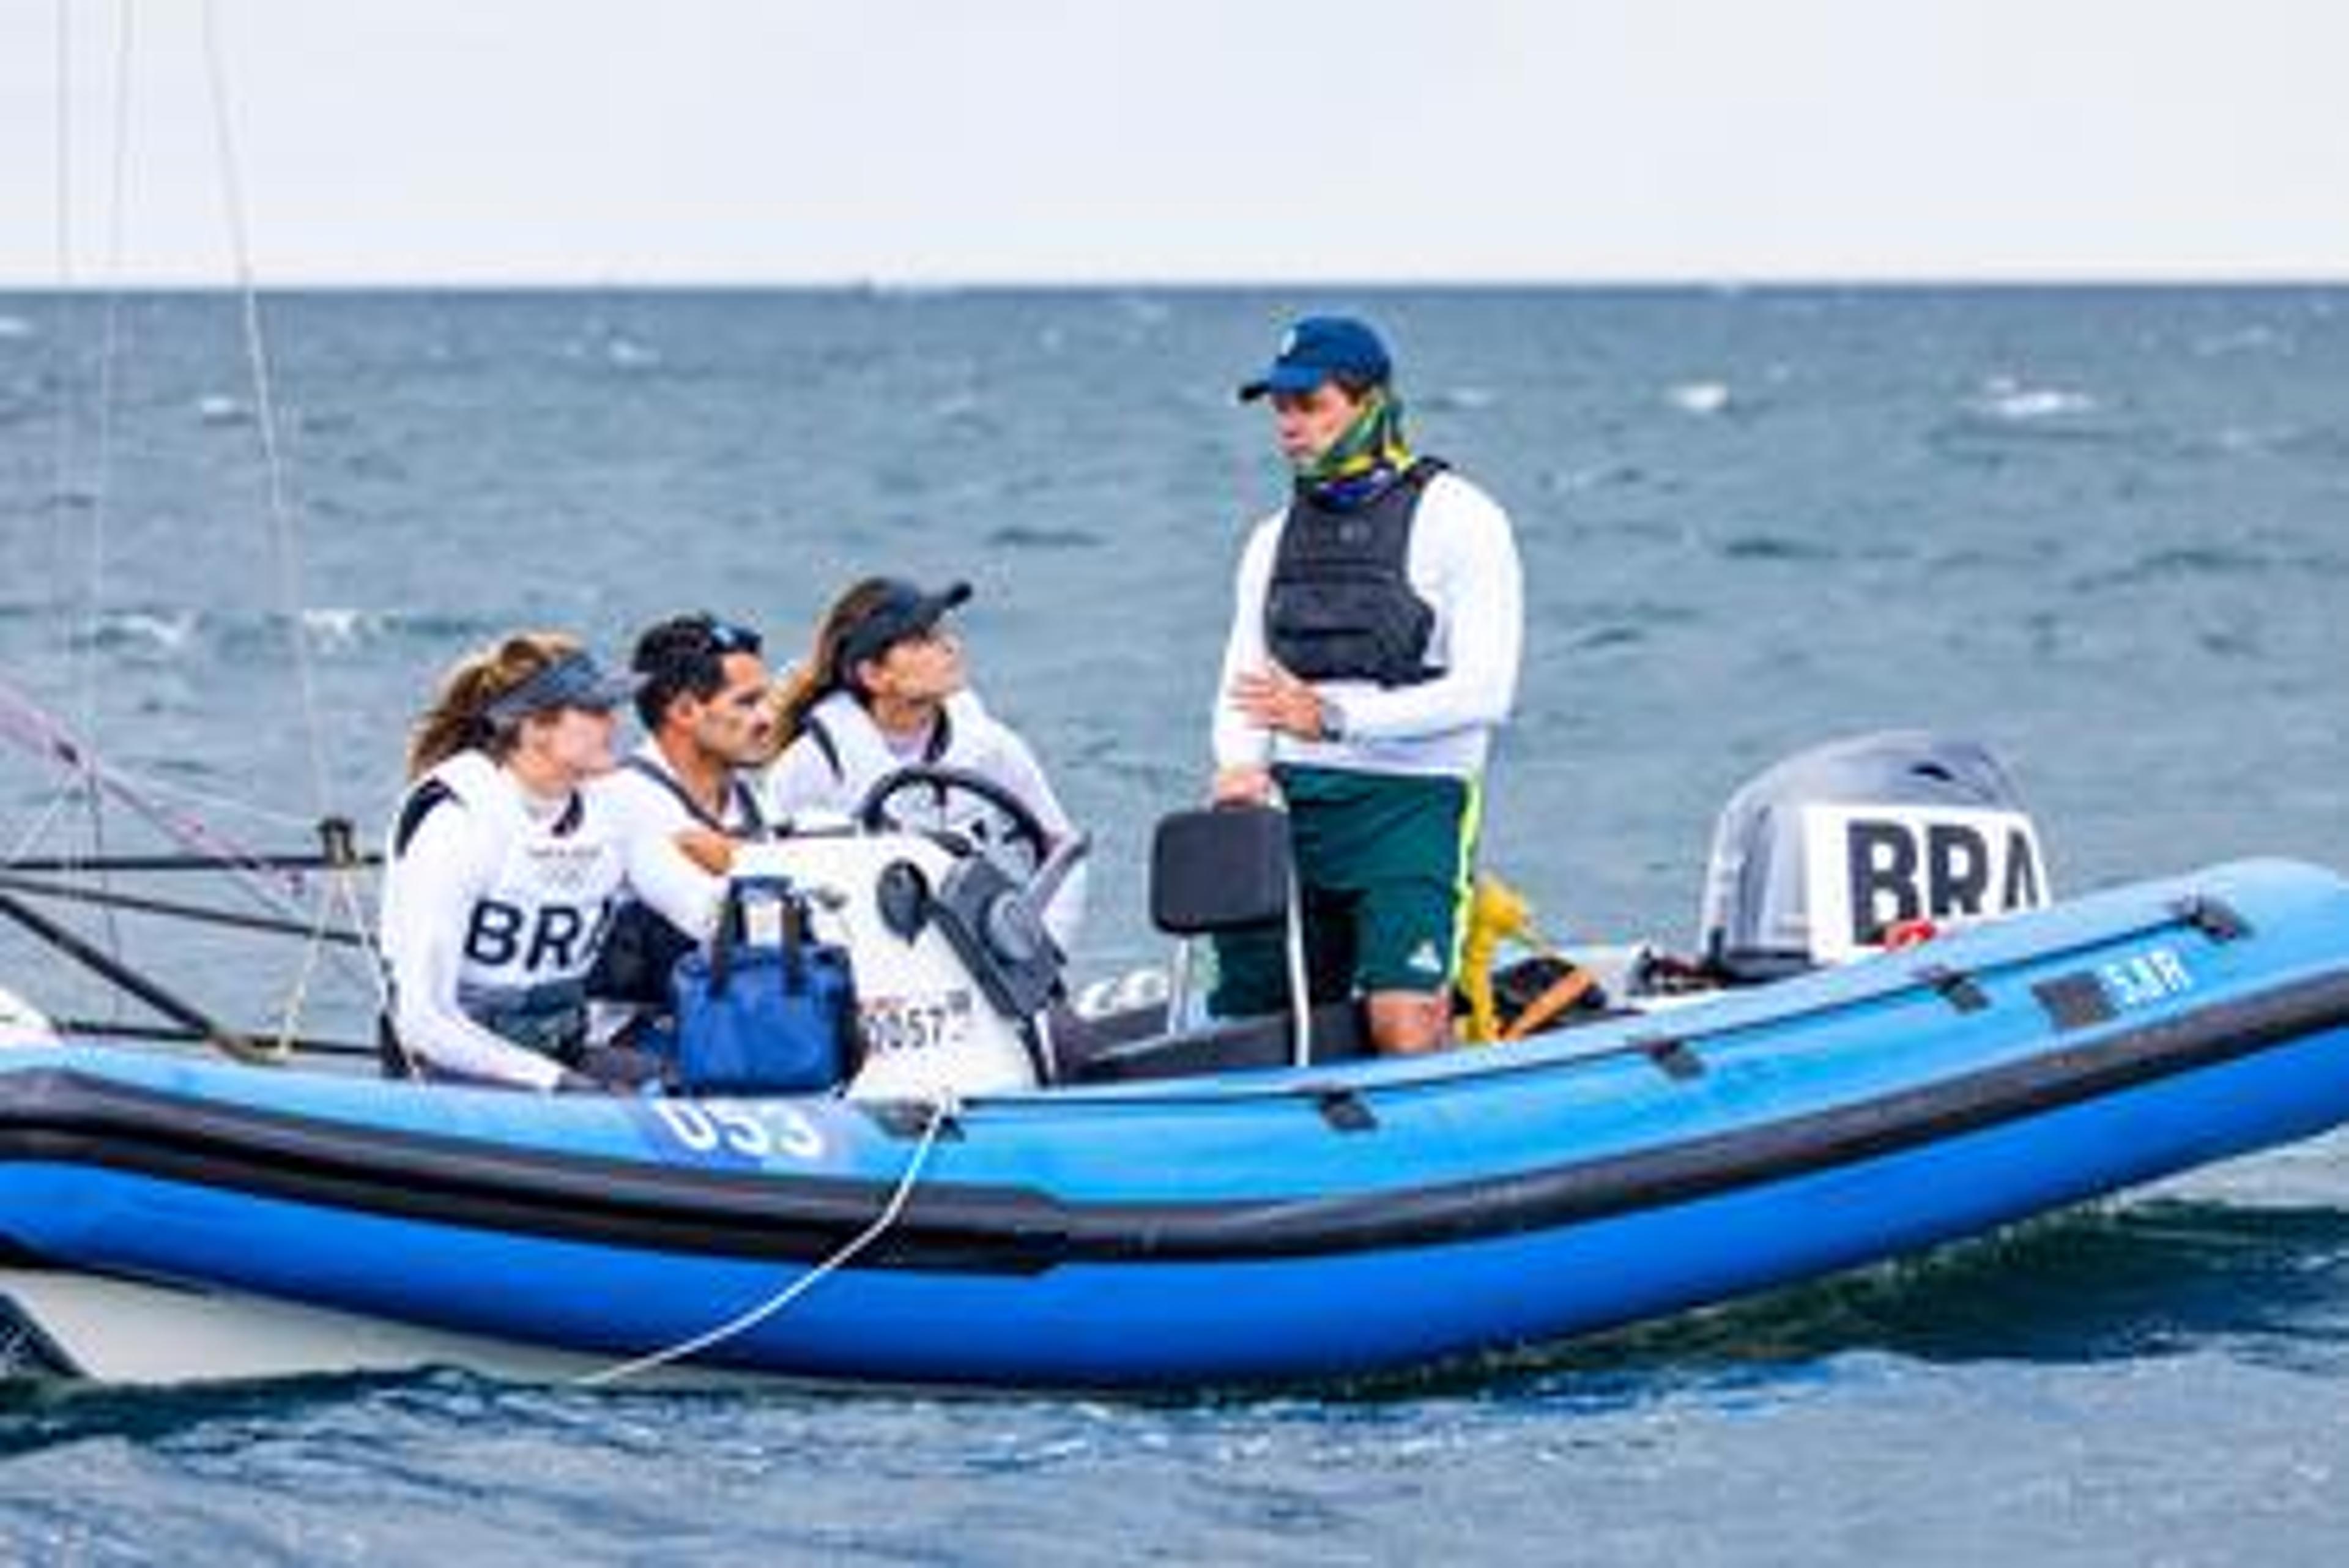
<point x="645" y="815"/>
<point x="1464" y="563"/>
<point x="647" y="806"/>
<point x="809" y="776"/>
<point x="492" y="902"/>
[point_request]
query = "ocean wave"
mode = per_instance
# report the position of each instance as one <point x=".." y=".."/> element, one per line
<point x="2071" y="1286"/>
<point x="1599" y="476"/>
<point x="624" y="353"/>
<point x="176" y="631"/>
<point x="1612" y="634"/>
<point x="14" y="328"/>
<point x="1771" y="547"/>
<point x="341" y="627"/>
<point x="219" y="408"/>
<point x="612" y="347"/>
<point x="2186" y="563"/>
<point x="126" y="631"/>
<point x="1703" y="398"/>
<point x="2323" y="443"/>
<point x="1466" y="400"/>
<point x="2256" y="338"/>
<point x="2230" y="642"/>
<point x="1027" y="536"/>
<point x="2005" y="398"/>
<point x="1143" y="308"/>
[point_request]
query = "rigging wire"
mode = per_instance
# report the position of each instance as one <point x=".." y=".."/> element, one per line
<point x="65" y="493"/>
<point x="284" y="531"/>
<point x="279" y="889"/>
<point x="284" y="525"/>
<point x="85" y="779"/>
<point x="101" y="477"/>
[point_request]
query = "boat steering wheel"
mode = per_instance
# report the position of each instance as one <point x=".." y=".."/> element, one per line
<point x="883" y="811"/>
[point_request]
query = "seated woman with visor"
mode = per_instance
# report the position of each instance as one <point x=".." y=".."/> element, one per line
<point x="503" y="872"/>
<point x="885" y="688"/>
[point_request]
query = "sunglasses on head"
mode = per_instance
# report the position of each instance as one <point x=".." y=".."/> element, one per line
<point x="726" y="637"/>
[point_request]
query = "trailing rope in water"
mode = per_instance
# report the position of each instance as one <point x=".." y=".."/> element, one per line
<point x="943" y="1109"/>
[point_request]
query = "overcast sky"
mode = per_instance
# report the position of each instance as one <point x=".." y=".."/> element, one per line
<point x="927" y="141"/>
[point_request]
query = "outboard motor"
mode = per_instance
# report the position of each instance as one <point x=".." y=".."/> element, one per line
<point x="1860" y="843"/>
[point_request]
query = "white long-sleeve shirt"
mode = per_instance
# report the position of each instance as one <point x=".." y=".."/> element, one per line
<point x="645" y="818"/>
<point x="493" y="894"/>
<point x="1463" y="562"/>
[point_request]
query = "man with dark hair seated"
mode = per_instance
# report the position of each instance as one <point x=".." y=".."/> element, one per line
<point x="679" y="798"/>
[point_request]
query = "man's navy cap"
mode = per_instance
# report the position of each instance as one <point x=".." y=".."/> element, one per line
<point x="574" y="681"/>
<point x="1318" y="347"/>
<point x="899" y="611"/>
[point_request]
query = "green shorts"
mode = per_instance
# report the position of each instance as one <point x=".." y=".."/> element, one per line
<point x="1384" y="862"/>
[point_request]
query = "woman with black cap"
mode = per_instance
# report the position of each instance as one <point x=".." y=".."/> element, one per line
<point x="501" y="878"/>
<point x="884" y="689"/>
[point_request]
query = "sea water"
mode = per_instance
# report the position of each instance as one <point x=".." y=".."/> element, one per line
<point x="2106" y="532"/>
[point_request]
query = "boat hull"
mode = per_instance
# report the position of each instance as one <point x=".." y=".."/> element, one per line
<point x="1320" y="1223"/>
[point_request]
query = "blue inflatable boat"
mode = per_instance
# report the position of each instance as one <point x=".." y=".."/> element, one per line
<point x="1195" y="1226"/>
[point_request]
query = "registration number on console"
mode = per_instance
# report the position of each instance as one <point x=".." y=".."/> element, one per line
<point x="916" y="1023"/>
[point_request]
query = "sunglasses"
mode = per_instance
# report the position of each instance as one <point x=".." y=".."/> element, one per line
<point x="726" y="637"/>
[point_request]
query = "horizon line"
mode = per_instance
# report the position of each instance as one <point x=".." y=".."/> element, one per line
<point x="883" y="287"/>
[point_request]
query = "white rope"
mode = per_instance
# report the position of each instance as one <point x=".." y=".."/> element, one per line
<point x="67" y="794"/>
<point x="101" y="488"/>
<point x="172" y="790"/>
<point x="62" y="483"/>
<point x="101" y="477"/>
<point x="280" y="892"/>
<point x="942" y="1110"/>
<point x="355" y="910"/>
<point x="340" y="891"/>
<point x="285" y="533"/>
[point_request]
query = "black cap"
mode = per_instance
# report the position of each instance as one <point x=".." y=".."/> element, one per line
<point x="574" y="681"/>
<point x="899" y="611"/>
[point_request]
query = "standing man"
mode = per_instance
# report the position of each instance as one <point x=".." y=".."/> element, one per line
<point x="1373" y="651"/>
<point x="681" y="800"/>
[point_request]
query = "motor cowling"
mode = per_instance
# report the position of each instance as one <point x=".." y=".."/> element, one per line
<point x="1861" y="842"/>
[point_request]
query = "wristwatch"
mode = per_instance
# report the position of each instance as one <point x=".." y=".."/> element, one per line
<point x="1333" y="720"/>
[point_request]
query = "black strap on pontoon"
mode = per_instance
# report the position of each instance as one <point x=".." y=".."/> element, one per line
<point x="1343" y="1109"/>
<point x="2075" y="1001"/>
<point x="1955" y="986"/>
<point x="1671" y="1058"/>
<point x="2213" y="916"/>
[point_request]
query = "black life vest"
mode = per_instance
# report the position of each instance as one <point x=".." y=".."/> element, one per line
<point x="642" y="947"/>
<point x="1340" y="606"/>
